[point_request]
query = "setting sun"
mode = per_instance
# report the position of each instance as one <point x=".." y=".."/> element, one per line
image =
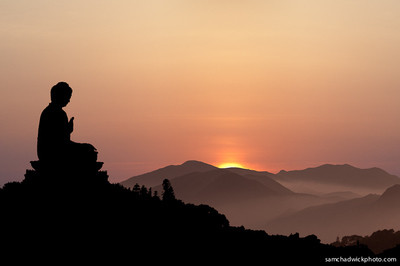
<point x="231" y="165"/>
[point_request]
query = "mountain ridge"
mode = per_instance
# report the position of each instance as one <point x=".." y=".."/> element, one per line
<point x="340" y="174"/>
<point x="156" y="177"/>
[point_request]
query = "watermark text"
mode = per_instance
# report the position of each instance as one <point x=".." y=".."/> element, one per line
<point x="360" y="260"/>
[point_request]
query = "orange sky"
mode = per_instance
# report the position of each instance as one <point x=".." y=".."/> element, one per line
<point x="268" y="84"/>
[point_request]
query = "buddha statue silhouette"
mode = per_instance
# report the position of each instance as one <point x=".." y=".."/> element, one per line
<point x="54" y="145"/>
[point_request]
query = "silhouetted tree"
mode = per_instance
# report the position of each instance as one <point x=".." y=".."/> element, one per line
<point x="156" y="195"/>
<point x="168" y="193"/>
<point x="136" y="188"/>
<point x="143" y="192"/>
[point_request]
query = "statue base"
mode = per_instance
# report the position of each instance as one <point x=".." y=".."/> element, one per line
<point x="66" y="173"/>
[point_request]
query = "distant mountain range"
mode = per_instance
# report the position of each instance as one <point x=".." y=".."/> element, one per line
<point x="334" y="176"/>
<point x="328" y="176"/>
<point x="287" y="202"/>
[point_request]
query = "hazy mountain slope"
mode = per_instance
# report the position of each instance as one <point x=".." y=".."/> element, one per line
<point x="341" y="195"/>
<point x="220" y="185"/>
<point x="391" y="197"/>
<point x="156" y="177"/>
<point x="244" y="200"/>
<point x="264" y="178"/>
<point x="357" y="216"/>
